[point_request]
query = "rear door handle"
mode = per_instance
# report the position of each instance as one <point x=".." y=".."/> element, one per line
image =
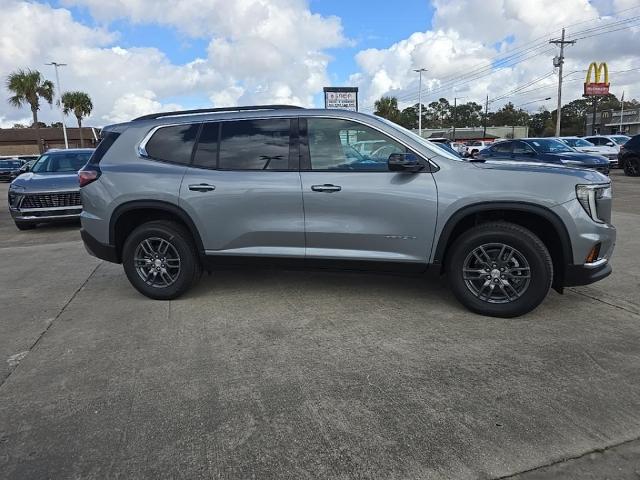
<point x="202" y="187"/>
<point x="327" y="187"/>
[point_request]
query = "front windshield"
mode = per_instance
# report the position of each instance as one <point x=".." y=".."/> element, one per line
<point x="549" y="145"/>
<point x="621" y="139"/>
<point x="61" y="162"/>
<point x="422" y="141"/>
<point x="577" y="142"/>
<point x="10" y="164"/>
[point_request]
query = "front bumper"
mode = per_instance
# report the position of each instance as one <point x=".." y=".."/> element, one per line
<point x="576" y="275"/>
<point x="45" y="215"/>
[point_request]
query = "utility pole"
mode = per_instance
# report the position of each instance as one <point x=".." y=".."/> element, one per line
<point x="64" y="127"/>
<point x="593" y="118"/>
<point x="621" y="112"/>
<point x="455" y="117"/>
<point x="486" y="114"/>
<point x="558" y="62"/>
<point x="420" y="70"/>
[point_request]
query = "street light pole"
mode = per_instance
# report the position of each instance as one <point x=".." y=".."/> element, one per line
<point x="420" y="70"/>
<point x="64" y="127"/>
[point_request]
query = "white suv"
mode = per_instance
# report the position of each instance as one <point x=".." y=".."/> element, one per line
<point x="610" y="145"/>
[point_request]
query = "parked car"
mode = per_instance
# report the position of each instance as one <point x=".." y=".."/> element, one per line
<point x="49" y="192"/>
<point x="9" y="167"/>
<point x="544" y="150"/>
<point x="629" y="157"/>
<point x="611" y="142"/>
<point x="26" y="166"/>
<point x="475" y="146"/>
<point x="584" y="146"/>
<point x="170" y="194"/>
<point x="447" y="148"/>
<point x="459" y="147"/>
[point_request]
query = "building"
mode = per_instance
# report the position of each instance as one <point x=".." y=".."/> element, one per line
<point x="465" y="134"/>
<point x="608" y="122"/>
<point x="22" y="141"/>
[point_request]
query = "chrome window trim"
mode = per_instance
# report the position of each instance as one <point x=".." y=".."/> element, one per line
<point x="142" y="152"/>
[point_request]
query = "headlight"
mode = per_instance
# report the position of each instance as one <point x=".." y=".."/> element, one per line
<point x="15" y="192"/>
<point x="589" y="195"/>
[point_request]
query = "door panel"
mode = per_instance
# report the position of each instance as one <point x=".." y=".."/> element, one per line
<point x="252" y="205"/>
<point x="355" y="208"/>
<point x="375" y="215"/>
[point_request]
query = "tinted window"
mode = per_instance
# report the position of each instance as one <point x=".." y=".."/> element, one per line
<point x="333" y="145"/>
<point x="10" y="163"/>
<point x="502" y="147"/>
<point x="61" y="162"/>
<point x="520" y="147"/>
<point x="255" y="145"/>
<point x="549" y="145"/>
<point x="596" y="141"/>
<point x="634" y="142"/>
<point x="207" y="151"/>
<point x="173" y="144"/>
<point x="105" y="144"/>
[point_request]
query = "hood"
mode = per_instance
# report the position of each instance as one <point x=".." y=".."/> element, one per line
<point x="598" y="150"/>
<point x="47" y="182"/>
<point x="577" y="158"/>
<point x="585" y="175"/>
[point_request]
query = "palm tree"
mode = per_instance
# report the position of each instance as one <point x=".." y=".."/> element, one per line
<point x="387" y="107"/>
<point x="28" y="87"/>
<point x="80" y="104"/>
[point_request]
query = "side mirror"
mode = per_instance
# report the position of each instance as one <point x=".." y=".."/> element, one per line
<point x="610" y="144"/>
<point x="25" y="168"/>
<point x="529" y="153"/>
<point x="404" y="162"/>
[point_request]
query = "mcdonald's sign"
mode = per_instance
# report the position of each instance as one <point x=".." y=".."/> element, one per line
<point x="600" y="85"/>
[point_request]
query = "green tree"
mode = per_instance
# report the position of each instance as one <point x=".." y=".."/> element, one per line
<point x="539" y="121"/>
<point x="28" y="87"/>
<point x="508" y="115"/>
<point x="439" y="113"/>
<point x="468" y="115"/>
<point x="387" y="107"/>
<point x="80" y="104"/>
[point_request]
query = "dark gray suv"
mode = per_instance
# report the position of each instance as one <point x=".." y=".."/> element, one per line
<point x="170" y="194"/>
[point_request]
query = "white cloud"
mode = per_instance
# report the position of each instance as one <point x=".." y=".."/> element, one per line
<point x="258" y="52"/>
<point x="467" y="35"/>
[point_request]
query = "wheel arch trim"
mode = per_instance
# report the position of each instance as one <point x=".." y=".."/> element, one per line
<point x="544" y="212"/>
<point x="155" y="205"/>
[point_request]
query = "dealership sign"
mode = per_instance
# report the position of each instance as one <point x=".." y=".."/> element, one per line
<point x="345" y="98"/>
<point x="600" y="83"/>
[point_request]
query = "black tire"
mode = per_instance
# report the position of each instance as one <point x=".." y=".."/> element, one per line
<point x="632" y="166"/>
<point x="25" y="226"/>
<point x="529" y="249"/>
<point x="181" y="243"/>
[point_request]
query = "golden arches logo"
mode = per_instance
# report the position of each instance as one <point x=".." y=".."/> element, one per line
<point x="600" y="85"/>
<point x="597" y="70"/>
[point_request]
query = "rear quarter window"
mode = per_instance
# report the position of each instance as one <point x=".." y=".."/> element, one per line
<point x="107" y="140"/>
<point x="173" y="143"/>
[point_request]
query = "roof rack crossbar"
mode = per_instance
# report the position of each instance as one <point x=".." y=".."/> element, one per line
<point x="153" y="116"/>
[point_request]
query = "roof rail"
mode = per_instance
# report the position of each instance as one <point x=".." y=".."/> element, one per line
<point x="152" y="116"/>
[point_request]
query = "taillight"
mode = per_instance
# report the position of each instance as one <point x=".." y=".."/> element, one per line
<point x="88" y="174"/>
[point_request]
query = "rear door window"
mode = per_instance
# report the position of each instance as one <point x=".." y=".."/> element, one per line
<point x="173" y="143"/>
<point x="254" y="144"/>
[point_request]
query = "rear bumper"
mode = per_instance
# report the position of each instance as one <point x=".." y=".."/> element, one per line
<point x="576" y="275"/>
<point x="98" y="249"/>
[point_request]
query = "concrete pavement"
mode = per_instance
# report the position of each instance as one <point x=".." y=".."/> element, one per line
<point x="280" y="374"/>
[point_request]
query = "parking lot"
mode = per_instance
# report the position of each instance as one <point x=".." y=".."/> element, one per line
<point x="290" y="374"/>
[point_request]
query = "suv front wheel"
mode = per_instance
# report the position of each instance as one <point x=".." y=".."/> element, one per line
<point x="160" y="260"/>
<point x="499" y="269"/>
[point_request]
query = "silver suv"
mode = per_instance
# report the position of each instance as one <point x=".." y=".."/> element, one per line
<point x="170" y="194"/>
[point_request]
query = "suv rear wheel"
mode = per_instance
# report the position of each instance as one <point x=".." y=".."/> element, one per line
<point x="160" y="260"/>
<point x="499" y="269"/>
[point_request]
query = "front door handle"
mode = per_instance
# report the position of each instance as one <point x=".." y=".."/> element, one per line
<point x="327" y="187"/>
<point x="202" y="187"/>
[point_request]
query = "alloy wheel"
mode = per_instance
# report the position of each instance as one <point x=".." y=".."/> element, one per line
<point x="496" y="273"/>
<point x="157" y="262"/>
